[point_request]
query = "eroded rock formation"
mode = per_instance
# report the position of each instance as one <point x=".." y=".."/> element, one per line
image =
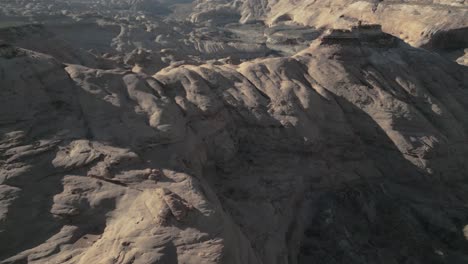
<point x="347" y="145"/>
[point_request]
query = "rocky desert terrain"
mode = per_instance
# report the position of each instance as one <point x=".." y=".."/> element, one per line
<point x="234" y="131"/>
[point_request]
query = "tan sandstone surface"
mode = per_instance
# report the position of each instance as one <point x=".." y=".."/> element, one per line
<point x="182" y="142"/>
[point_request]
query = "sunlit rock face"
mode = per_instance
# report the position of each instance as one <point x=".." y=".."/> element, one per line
<point x="233" y="132"/>
<point x="435" y="25"/>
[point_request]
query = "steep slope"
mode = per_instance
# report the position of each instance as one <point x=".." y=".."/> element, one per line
<point x="352" y="151"/>
<point x="63" y="144"/>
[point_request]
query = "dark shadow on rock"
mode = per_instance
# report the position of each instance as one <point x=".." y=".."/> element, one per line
<point x="169" y="254"/>
<point x="404" y="217"/>
<point x="29" y="220"/>
<point x="448" y="40"/>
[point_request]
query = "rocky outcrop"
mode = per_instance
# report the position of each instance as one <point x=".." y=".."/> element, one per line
<point x="351" y="151"/>
<point x="259" y="132"/>
<point x="421" y="23"/>
<point x="64" y="178"/>
<point x="463" y="60"/>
